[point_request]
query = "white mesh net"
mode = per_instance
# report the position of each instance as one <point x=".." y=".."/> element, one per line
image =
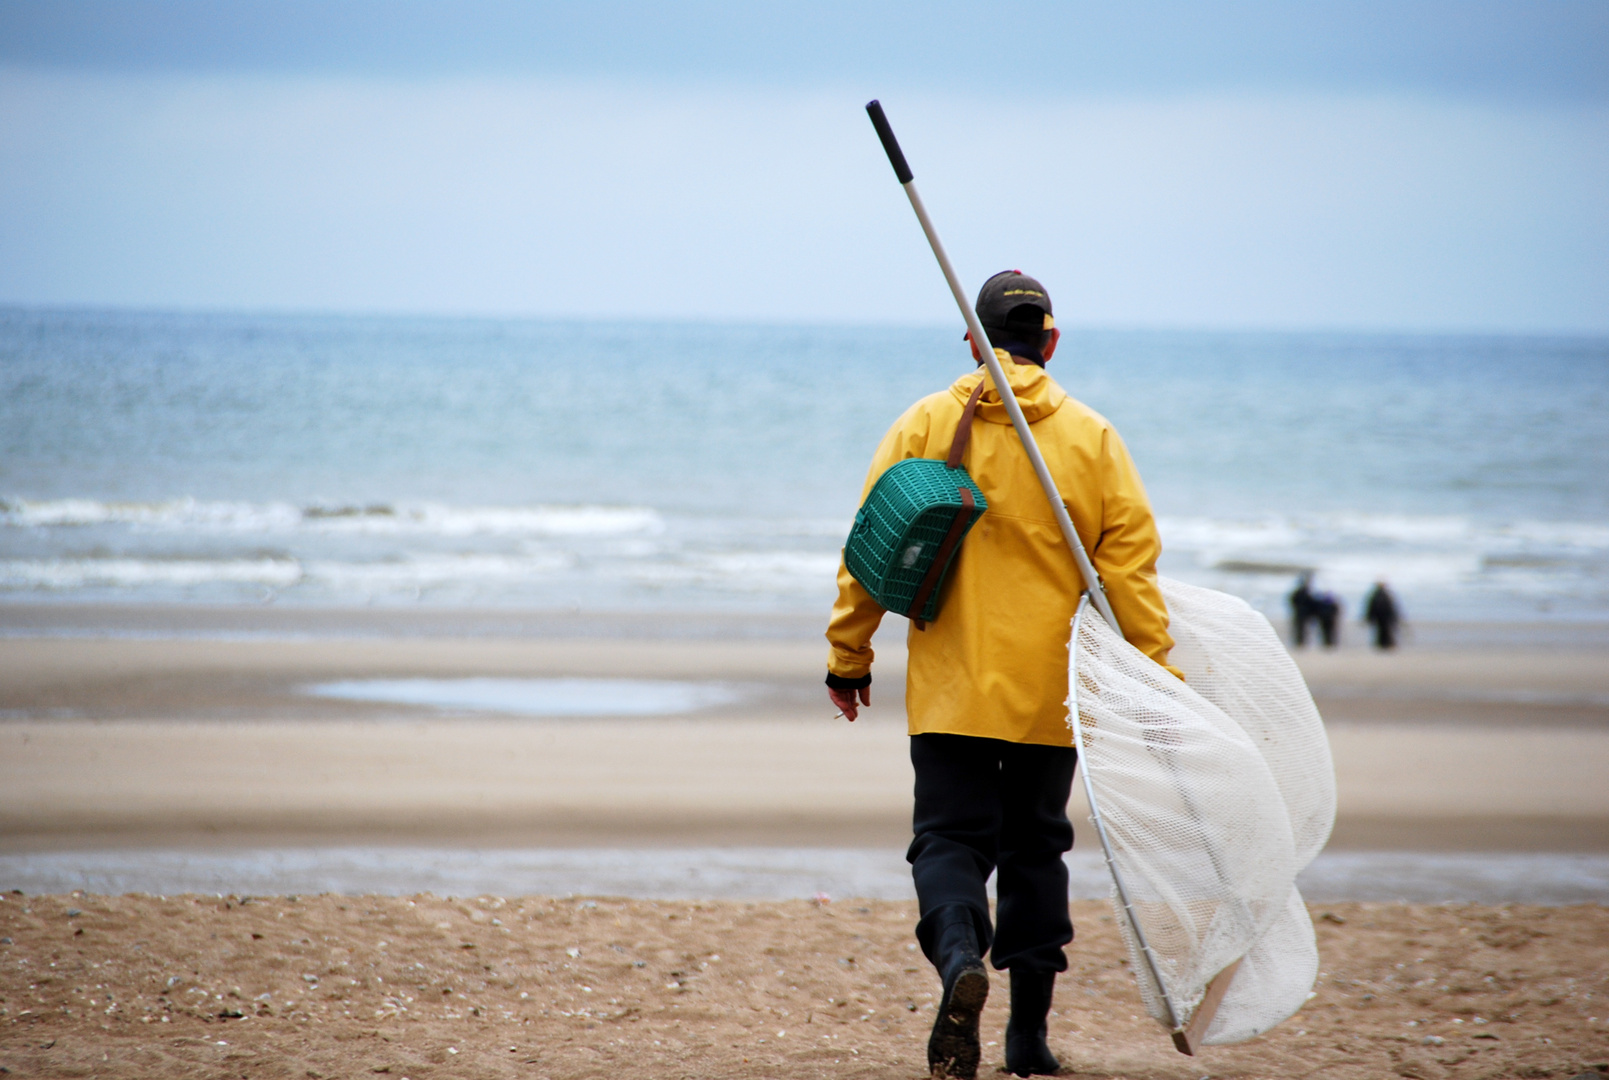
<point x="1212" y="795"/>
<point x="1234" y="659"/>
<point x="1273" y="979"/>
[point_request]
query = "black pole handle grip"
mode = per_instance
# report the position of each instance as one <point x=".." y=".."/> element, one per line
<point x="896" y="156"/>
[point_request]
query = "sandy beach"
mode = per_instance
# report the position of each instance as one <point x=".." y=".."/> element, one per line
<point x="193" y="739"/>
<point x="419" y="987"/>
<point x="430" y="437"/>
<point x="183" y="731"/>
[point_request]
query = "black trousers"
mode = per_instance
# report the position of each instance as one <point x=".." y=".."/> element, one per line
<point x="983" y="805"/>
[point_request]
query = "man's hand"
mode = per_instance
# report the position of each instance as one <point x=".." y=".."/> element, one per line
<point x="844" y="701"/>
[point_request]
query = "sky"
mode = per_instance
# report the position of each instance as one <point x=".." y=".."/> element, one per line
<point x="1363" y="165"/>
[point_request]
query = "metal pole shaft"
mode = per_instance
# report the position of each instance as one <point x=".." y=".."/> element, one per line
<point x="1092" y="582"/>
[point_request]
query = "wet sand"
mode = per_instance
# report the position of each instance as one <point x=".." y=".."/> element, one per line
<point x="531" y="987"/>
<point x="809" y="782"/>
<point x="163" y="741"/>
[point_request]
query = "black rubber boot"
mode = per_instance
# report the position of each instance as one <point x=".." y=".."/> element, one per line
<point x="1027" y="1053"/>
<point x="952" y="1049"/>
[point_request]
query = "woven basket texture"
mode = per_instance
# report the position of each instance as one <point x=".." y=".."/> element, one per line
<point x="900" y="527"/>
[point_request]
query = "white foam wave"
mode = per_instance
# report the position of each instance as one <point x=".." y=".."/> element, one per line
<point x="281" y="517"/>
<point x="439" y="520"/>
<point x="63" y="574"/>
<point x="404" y="575"/>
<point x="628" y="554"/>
<point x="751" y="572"/>
<point x="1560" y="534"/>
<point x="1228" y="534"/>
<point x="1438" y="562"/>
<point x="425" y="572"/>
<point x="173" y="513"/>
<point x="836" y="528"/>
<point x="1275" y="532"/>
<point x="763" y="565"/>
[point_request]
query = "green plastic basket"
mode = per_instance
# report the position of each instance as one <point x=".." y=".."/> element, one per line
<point x="899" y="529"/>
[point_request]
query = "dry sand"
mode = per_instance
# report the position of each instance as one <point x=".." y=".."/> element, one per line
<point x="346" y="986"/>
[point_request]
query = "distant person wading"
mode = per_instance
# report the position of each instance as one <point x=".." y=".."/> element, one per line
<point x="986" y="684"/>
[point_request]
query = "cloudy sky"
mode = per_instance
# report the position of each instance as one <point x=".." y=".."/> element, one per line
<point x="1249" y="164"/>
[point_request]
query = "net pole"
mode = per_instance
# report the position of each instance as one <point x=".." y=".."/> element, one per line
<point x="896" y="157"/>
<point x="1100" y="831"/>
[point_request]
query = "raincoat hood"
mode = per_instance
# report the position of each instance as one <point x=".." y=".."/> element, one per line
<point x="1036" y="391"/>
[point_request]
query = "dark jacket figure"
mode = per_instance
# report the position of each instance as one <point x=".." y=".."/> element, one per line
<point x="1307" y="607"/>
<point x="1302" y="612"/>
<point x="1327" y="609"/>
<point x="1380" y="611"/>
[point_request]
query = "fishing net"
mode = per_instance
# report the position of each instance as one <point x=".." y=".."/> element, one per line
<point x="1212" y="795"/>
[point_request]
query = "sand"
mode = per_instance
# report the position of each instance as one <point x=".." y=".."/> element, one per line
<point x="179" y="737"/>
<point x="177" y="677"/>
<point x="608" y="782"/>
<point x="531" y="987"/>
<point x="118" y="741"/>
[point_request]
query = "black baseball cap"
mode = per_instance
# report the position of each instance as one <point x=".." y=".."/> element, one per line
<point x="1011" y="300"/>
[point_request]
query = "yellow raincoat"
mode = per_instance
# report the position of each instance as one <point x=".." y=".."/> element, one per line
<point x="994" y="662"/>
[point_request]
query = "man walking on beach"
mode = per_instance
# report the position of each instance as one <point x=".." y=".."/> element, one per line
<point x="986" y="686"/>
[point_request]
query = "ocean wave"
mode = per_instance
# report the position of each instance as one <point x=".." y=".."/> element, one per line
<point x="172" y="514"/>
<point x="222" y="551"/>
<point x="1275" y="531"/>
<point x="438" y="519"/>
<point x="1445" y="562"/>
<point x="749" y="572"/>
<point x="1354" y="575"/>
<point x="1251" y="533"/>
<point x="65" y="574"/>
<point x="1591" y="536"/>
<point x="341" y="578"/>
<point x="434" y="571"/>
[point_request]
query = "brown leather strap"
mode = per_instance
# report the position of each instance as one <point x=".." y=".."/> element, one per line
<point x="963" y="430"/>
<point x="951" y="539"/>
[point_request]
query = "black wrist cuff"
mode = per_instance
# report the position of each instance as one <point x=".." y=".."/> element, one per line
<point x="838" y="682"/>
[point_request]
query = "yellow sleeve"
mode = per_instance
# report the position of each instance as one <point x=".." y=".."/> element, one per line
<point x="855" y="618"/>
<point x="855" y="615"/>
<point x="1126" y="552"/>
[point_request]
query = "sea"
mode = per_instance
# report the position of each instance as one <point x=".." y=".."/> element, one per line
<point x="329" y="461"/>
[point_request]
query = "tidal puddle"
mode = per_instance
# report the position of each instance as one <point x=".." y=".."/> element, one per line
<point x="538" y="697"/>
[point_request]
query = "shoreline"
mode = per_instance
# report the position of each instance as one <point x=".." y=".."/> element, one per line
<point x="291" y="621"/>
<point x="135" y="620"/>
<point x="740" y="873"/>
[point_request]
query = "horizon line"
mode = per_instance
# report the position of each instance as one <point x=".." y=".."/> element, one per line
<point x="1072" y="324"/>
